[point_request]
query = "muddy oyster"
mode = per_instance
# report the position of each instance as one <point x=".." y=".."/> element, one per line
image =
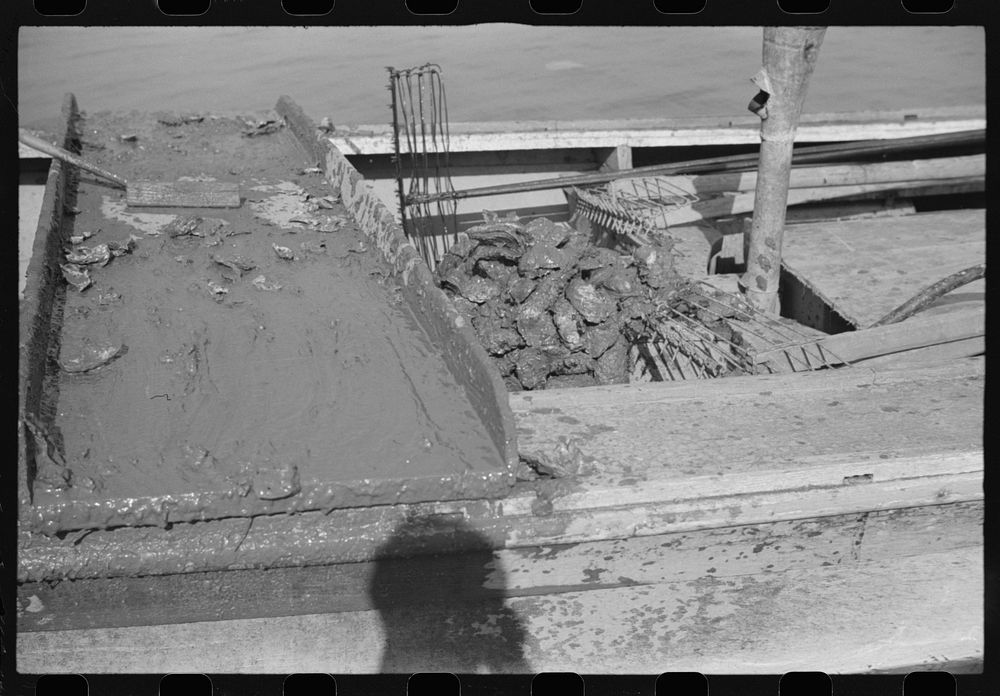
<point x="541" y="256"/>
<point x="473" y="288"/>
<point x="86" y="256"/>
<point x="612" y="366"/>
<point x="656" y="264"/>
<point x="184" y="226"/>
<point x="463" y="246"/>
<point x="536" y="327"/>
<point x="239" y="264"/>
<point x="620" y="280"/>
<point x="262" y="283"/>
<point x="218" y="290"/>
<point x="494" y="270"/>
<point x="496" y="335"/>
<point x="592" y="304"/>
<point x="565" y="459"/>
<point x="597" y="257"/>
<point x="564" y="317"/>
<point x="544" y="231"/>
<point x="498" y="234"/>
<point x="520" y="289"/>
<point x="597" y="339"/>
<point x="91" y="357"/>
<point x="82" y="237"/>
<point x="531" y="366"/>
<point x="77" y="276"/>
<point x="120" y="248"/>
<point x="283" y="252"/>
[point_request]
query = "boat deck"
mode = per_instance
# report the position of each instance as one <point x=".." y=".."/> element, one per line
<point x="863" y="269"/>
<point x="709" y="510"/>
<point x="821" y="521"/>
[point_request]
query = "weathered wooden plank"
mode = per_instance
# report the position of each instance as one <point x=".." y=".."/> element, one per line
<point x="743" y="202"/>
<point x="615" y="158"/>
<point x="837" y="175"/>
<point x="852" y="346"/>
<point x="853" y="617"/>
<point x="865" y="268"/>
<point x="358" y="535"/>
<point x="658" y="458"/>
<point x="29" y="153"/>
<point x="550" y="570"/>
<point x="929" y="355"/>
<point x="875" y="116"/>
<point x="183" y="194"/>
<point x="743" y="130"/>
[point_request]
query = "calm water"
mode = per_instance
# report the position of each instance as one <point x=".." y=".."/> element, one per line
<point x="492" y="72"/>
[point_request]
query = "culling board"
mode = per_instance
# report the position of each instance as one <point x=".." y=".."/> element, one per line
<point x="238" y="362"/>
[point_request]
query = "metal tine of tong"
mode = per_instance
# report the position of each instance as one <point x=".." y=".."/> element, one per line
<point x="707" y="340"/>
<point x="802" y="340"/>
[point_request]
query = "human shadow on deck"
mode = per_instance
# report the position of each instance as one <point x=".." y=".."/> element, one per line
<point x="443" y="610"/>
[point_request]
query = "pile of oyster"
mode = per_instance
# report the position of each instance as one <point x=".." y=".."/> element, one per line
<point x="551" y="309"/>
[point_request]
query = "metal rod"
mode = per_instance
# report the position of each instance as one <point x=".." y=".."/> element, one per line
<point x="395" y="143"/>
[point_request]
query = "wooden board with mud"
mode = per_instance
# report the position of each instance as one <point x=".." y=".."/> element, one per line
<point x="256" y="360"/>
<point x="849" y="593"/>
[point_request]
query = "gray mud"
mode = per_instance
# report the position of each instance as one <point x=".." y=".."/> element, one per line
<point x="233" y="368"/>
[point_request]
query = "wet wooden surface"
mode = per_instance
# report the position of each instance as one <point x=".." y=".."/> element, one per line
<point x="521" y="572"/>
<point x="839" y="595"/>
<point x="814" y="588"/>
<point x="226" y="399"/>
<point x="866" y="268"/>
<point x="657" y="458"/>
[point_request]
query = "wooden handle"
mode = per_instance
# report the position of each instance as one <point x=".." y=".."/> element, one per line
<point x="67" y="156"/>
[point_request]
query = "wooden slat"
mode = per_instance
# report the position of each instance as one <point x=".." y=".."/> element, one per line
<point x="183" y="194"/>
<point x="660" y="458"/>
<point x="532" y="571"/>
<point x="855" y="616"/>
<point x="743" y="202"/>
<point x="530" y="135"/>
<point x="852" y="346"/>
<point x="930" y="355"/>
<point x="837" y="175"/>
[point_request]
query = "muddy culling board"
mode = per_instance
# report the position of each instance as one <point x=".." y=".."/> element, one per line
<point x="263" y="359"/>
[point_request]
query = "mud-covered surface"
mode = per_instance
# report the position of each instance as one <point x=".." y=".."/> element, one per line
<point x="242" y="356"/>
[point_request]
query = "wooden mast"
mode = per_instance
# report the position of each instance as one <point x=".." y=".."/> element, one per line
<point x="789" y="56"/>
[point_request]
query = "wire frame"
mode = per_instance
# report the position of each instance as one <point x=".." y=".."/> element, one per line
<point x="420" y="119"/>
<point x="636" y="206"/>
<point x="684" y="347"/>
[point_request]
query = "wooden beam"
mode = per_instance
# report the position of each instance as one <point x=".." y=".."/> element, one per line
<point x="615" y="158"/>
<point x="886" y="429"/>
<point x="718" y="553"/>
<point x="743" y="202"/>
<point x="928" y="355"/>
<point x="852" y="346"/>
<point x="681" y="132"/>
<point x="909" y="172"/>
<point x="904" y="610"/>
